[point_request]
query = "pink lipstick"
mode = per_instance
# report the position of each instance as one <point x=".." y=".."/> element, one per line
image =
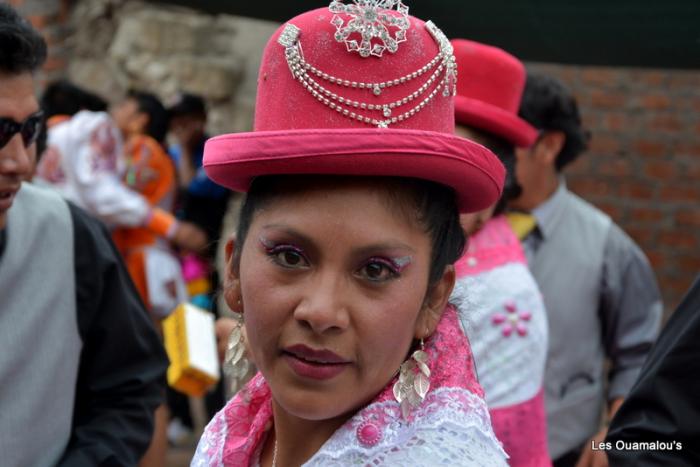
<point x="315" y="364"/>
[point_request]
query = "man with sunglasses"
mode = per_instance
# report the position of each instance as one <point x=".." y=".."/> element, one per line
<point x="81" y="367"/>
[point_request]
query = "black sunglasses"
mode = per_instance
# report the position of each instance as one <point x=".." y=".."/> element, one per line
<point x="29" y="129"/>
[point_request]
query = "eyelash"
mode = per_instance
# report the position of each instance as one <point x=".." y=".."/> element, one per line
<point x="274" y="252"/>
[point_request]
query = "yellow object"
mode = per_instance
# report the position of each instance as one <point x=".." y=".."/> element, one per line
<point x="190" y="341"/>
<point x="521" y="223"/>
<point x="198" y="287"/>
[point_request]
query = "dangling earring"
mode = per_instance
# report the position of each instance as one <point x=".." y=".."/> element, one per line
<point x="414" y="381"/>
<point x="236" y="367"/>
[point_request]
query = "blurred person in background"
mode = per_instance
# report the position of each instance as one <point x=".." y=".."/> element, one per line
<point x="600" y="293"/>
<point x="499" y="303"/>
<point x="82" y="369"/>
<point x="204" y="203"/>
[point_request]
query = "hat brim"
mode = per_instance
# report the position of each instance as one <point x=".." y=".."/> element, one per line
<point x="470" y="169"/>
<point x="495" y="120"/>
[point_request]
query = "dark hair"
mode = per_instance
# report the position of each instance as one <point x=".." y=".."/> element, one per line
<point x="434" y="207"/>
<point x="548" y="105"/>
<point x="157" y="127"/>
<point x="23" y="50"/>
<point x="505" y="151"/>
<point x="188" y="105"/>
<point x="64" y="98"/>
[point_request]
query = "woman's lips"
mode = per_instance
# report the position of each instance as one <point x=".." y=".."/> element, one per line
<point x="315" y="364"/>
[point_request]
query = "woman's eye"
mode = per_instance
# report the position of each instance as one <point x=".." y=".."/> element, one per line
<point x="377" y="271"/>
<point x="289" y="258"/>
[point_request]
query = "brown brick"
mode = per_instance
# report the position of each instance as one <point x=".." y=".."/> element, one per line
<point x="635" y="190"/>
<point x="685" y="79"/>
<point x="643" y="236"/>
<point x="666" y="122"/>
<point x="615" y="121"/>
<point x="688" y="218"/>
<point x="679" y="240"/>
<point x="651" y="148"/>
<point x="653" y="78"/>
<point x="647" y="215"/>
<point x="681" y="193"/>
<point x="591" y="187"/>
<point x="607" y="100"/>
<point x="611" y="210"/>
<point x="689" y="264"/>
<point x="657" y="259"/>
<point x="655" y="102"/>
<point x="605" y="145"/>
<point x="686" y="148"/>
<point x="615" y="168"/>
<point x="603" y="77"/>
<point x="660" y="170"/>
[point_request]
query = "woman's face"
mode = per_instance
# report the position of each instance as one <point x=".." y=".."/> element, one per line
<point x="334" y="288"/>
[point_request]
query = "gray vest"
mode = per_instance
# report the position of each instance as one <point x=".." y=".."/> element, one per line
<point x="38" y="331"/>
<point x="568" y="268"/>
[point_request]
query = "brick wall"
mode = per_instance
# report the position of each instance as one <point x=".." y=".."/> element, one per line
<point x="643" y="167"/>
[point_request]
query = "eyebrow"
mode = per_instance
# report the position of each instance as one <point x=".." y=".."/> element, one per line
<point x="364" y="250"/>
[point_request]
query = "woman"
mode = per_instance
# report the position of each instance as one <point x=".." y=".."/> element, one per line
<point x="500" y="306"/>
<point x="345" y="252"/>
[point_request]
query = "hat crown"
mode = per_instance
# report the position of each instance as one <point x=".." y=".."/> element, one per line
<point x="334" y="86"/>
<point x="489" y="74"/>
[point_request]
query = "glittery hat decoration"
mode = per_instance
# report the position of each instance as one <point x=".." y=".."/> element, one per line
<point x="324" y="108"/>
<point x="370" y="19"/>
<point x="373" y="21"/>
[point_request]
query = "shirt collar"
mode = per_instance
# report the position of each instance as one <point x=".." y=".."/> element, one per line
<point x="547" y="213"/>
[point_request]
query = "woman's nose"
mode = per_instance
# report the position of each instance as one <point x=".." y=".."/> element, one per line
<point x="324" y="305"/>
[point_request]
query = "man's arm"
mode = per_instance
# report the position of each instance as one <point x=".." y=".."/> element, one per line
<point x="630" y="311"/>
<point x="122" y="366"/>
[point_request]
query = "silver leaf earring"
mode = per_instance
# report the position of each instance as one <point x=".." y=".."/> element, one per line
<point x="414" y="381"/>
<point x="237" y="367"/>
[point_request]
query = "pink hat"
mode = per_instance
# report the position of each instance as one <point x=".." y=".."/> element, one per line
<point x="358" y="89"/>
<point x="489" y="92"/>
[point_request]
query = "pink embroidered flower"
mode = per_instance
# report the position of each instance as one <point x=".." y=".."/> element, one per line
<point x="512" y="319"/>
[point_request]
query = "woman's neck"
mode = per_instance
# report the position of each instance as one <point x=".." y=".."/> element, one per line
<point x="297" y="439"/>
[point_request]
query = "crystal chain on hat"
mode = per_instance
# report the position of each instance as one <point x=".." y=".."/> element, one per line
<point x="289" y="38"/>
<point x="371" y="19"/>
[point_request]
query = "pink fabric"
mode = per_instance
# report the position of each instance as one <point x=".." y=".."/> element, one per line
<point x="248" y="416"/>
<point x="469" y="168"/>
<point x="492" y="246"/>
<point x="522" y="429"/>
<point x="194" y="268"/>
<point x="489" y="98"/>
<point x="297" y="134"/>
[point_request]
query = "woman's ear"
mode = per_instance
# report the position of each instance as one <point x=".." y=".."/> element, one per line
<point x="232" y="282"/>
<point x="435" y="302"/>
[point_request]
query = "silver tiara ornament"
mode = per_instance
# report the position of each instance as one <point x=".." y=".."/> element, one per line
<point x="371" y="21"/>
<point x="441" y="74"/>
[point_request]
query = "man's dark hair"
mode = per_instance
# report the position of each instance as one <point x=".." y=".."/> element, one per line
<point x="157" y="127"/>
<point x="22" y="49"/>
<point x="549" y="106"/>
<point x="432" y="205"/>
<point x="64" y="98"/>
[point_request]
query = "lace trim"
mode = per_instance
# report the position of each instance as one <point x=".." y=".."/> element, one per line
<point x="452" y="408"/>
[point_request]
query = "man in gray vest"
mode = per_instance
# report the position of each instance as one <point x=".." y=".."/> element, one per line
<point x="81" y="366"/>
<point x="600" y="293"/>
